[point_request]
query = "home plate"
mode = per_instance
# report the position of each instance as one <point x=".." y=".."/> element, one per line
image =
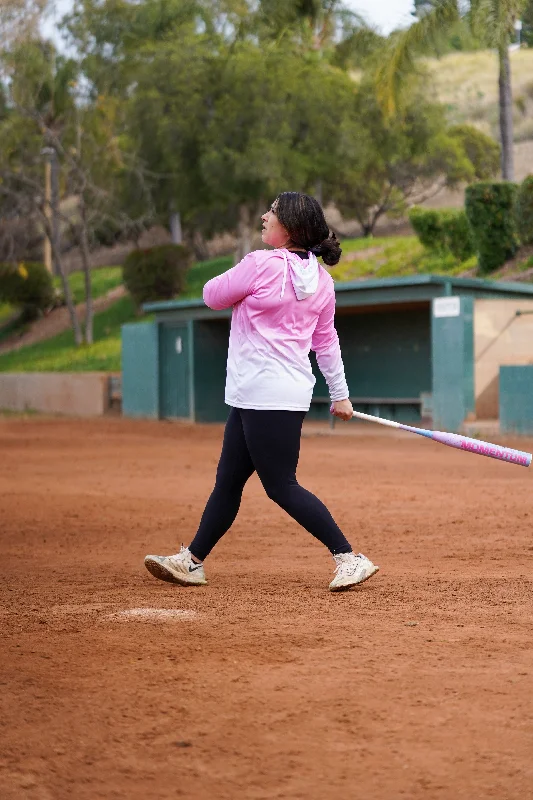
<point x="153" y="613"/>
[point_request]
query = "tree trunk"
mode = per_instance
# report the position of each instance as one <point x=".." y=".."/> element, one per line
<point x="74" y="321"/>
<point x="56" y="253"/>
<point x="506" y="114"/>
<point x="175" y="227"/>
<point x="195" y="239"/>
<point x="244" y="233"/>
<point x="84" y="248"/>
<point x="54" y="209"/>
<point x="369" y="221"/>
<point x="47" y="253"/>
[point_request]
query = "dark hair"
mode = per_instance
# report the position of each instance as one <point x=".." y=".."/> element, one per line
<point x="304" y="221"/>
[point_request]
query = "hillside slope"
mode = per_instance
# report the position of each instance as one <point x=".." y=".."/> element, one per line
<point x="467" y="83"/>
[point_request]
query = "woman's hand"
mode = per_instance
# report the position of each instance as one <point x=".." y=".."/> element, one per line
<point x="342" y="409"/>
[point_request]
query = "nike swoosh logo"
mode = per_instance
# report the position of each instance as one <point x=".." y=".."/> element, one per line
<point x="192" y="569"/>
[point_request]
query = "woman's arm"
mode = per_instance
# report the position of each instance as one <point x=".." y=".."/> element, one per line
<point x="325" y="343"/>
<point x="237" y="283"/>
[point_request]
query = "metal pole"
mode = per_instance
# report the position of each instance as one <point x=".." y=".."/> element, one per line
<point x="175" y="225"/>
<point x="518" y="29"/>
<point x="47" y="249"/>
<point x="56" y="231"/>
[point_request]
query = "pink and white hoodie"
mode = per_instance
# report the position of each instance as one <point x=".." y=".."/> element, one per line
<point x="274" y="325"/>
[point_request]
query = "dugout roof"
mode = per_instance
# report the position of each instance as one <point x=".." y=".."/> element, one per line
<point x="412" y="289"/>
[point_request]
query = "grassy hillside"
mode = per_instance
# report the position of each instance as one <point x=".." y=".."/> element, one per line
<point x="200" y="273"/>
<point x="385" y="257"/>
<point x="59" y="353"/>
<point x="467" y="83"/>
<point x="102" y="280"/>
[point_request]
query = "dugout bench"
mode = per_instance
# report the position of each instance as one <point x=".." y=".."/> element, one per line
<point x="383" y="406"/>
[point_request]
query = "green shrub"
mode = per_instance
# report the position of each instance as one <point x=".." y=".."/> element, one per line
<point x="27" y="286"/>
<point x="458" y="234"/>
<point x="482" y="151"/>
<point x="157" y="273"/>
<point x="427" y="224"/>
<point x="490" y="209"/>
<point x="107" y="233"/>
<point x="524" y="211"/>
<point x="443" y="230"/>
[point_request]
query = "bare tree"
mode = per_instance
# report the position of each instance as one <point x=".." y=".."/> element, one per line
<point x="26" y="196"/>
<point x="49" y="118"/>
<point x="19" y="19"/>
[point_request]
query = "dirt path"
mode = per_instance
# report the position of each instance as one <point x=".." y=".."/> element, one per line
<point x="58" y="321"/>
<point x="263" y="684"/>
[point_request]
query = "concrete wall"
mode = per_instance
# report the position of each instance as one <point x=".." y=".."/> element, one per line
<point x="500" y="338"/>
<point x="82" y="394"/>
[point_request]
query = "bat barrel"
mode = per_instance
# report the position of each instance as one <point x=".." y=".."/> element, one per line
<point x="519" y="457"/>
<point x="458" y="441"/>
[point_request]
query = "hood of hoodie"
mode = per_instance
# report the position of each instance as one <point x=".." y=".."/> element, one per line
<point x="303" y="274"/>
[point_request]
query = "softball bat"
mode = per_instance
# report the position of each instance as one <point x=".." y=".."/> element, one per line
<point x="458" y="441"/>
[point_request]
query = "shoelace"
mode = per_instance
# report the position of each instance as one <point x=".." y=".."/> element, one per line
<point x="348" y="566"/>
<point x="179" y="556"/>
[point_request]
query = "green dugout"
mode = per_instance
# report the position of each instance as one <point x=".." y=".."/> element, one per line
<point x="422" y="348"/>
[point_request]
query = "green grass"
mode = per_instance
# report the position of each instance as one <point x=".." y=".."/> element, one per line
<point x="6" y="312"/>
<point x="200" y="273"/>
<point x="526" y="264"/>
<point x="393" y="256"/>
<point x="59" y="354"/>
<point x="103" y="280"/>
<point x="12" y="325"/>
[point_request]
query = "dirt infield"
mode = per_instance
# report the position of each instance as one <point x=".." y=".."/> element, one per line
<point x="262" y="685"/>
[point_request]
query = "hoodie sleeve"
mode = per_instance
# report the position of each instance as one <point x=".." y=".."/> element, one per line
<point x="325" y="343"/>
<point x="237" y="283"/>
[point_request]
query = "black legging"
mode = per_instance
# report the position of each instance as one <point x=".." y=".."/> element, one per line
<point x="267" y="442"/>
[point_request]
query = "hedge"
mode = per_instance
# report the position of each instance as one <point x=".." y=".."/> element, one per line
<point x="490" y="209"/>
<point x="157" y="273"/>
<point x="28" y="286"/>
<point x="458" y="234"/>
<point x="524" y="211"/>
<point x="443" y="230"/>
<point x="427" y="224"/>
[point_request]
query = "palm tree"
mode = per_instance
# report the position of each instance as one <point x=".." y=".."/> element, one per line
<point x="496" y="18"/>
<point x="322" y="25"/>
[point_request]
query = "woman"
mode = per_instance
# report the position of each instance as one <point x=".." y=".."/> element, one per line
<point x="283" y="306"/>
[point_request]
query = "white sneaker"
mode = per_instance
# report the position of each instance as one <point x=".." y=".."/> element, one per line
<point x="179" y="568"/>
<point x="351" y="569"/>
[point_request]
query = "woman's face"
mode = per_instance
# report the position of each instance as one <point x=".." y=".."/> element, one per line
<point x="274" y="233"/>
